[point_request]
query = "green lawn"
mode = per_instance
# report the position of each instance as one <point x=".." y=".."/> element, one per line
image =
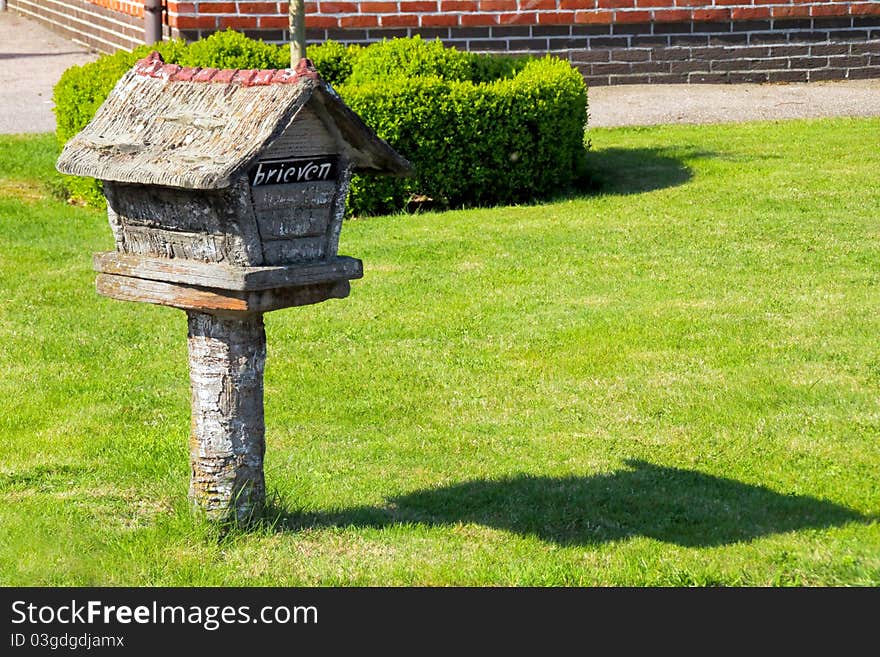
<point x="673" y="382"/>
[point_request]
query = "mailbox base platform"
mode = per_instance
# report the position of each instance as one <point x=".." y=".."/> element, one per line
<point x="218" y="302"/>
<point x="223" y="289"/>
<point x="227" y="277"/>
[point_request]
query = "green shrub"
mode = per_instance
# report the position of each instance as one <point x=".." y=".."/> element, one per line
<point x="416" y="57"/>
<point x="488" y="68"/>
<point x="479" y="129"/>
<point x="409" y="58"/>
<point x="506" y="141"/>
<point x="333" y="60"/>
<point x="230" y="49"/>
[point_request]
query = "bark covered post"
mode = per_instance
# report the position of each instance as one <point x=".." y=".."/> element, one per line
<point x="297" y="31"/>
<point x="226" y="362"/>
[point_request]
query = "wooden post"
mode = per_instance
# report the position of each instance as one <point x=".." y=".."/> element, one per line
<point x="226" y="362"/>
<point x="297" y="31"/>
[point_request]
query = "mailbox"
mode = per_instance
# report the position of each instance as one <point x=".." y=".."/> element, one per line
<point x="225" y="189"/>
<point x="225" y="193"/>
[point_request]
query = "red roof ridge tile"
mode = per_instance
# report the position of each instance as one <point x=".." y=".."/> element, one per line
<point x="153" y="66"/>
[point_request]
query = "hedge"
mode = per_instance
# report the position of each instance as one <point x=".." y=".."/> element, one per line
<point x="506" y="141"/>
<point x="479" y="129"/>
<point x="416" y="58"/>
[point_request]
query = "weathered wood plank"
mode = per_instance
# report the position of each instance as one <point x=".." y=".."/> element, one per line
<point x="308" y="195"/>
<point x="169" y="208"/>
<point x="292" y="223"/>
<point x="213" y="226"/>
<point x="241" y="208"/>
<point x="205" y="247"/>
<point x="291" y="251"/>
<point x="115" y="224"/>
<point x="225" y="277"/>
<point x="289" y="297"/>
<point x="305" y="136"/>
<point x="214" y="301"/>
<point x="334" y="227"/>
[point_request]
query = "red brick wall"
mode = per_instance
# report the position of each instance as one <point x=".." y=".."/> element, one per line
<point x="105" y="25"/>
<point x="130" y="7"/>
<point x="609" y="41"/>
<point x="381" y="14"/>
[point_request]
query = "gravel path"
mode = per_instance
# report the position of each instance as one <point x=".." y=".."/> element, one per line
<point x="33" y="58"/>
<point x="645" y="104"/>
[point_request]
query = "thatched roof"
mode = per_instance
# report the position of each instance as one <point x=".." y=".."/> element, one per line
<point x="199" y="128"/>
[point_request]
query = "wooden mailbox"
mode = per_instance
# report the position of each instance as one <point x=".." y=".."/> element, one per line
<point x="225" y="192"/>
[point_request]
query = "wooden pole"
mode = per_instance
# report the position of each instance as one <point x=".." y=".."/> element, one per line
<point x="297" y="31"/>
<point x="226" y="361"/>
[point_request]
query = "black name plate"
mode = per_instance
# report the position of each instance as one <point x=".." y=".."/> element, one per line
<point x="286" y="172"/>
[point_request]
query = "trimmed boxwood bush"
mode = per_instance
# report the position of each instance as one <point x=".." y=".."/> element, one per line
<point x="506" y="141"/>
<point x="334" y="60"/>
<point x="230" y="49"/>
<point x="409" y="58"/>
<point x="415" y="57"/>
<point x="479" y="129"/>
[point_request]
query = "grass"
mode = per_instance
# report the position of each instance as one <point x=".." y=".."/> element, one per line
<point x="673" y="382"/>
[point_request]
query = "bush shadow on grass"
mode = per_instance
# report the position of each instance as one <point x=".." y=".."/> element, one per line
<point x="633" y="170"/>
<point x="672" y="505"/>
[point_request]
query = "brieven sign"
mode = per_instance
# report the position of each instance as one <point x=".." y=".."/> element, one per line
<point x="281" y="172"/>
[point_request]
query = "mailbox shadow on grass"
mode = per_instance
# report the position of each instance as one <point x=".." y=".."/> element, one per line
<point x="673" y="505"/>
<point x="633" y="170"/>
